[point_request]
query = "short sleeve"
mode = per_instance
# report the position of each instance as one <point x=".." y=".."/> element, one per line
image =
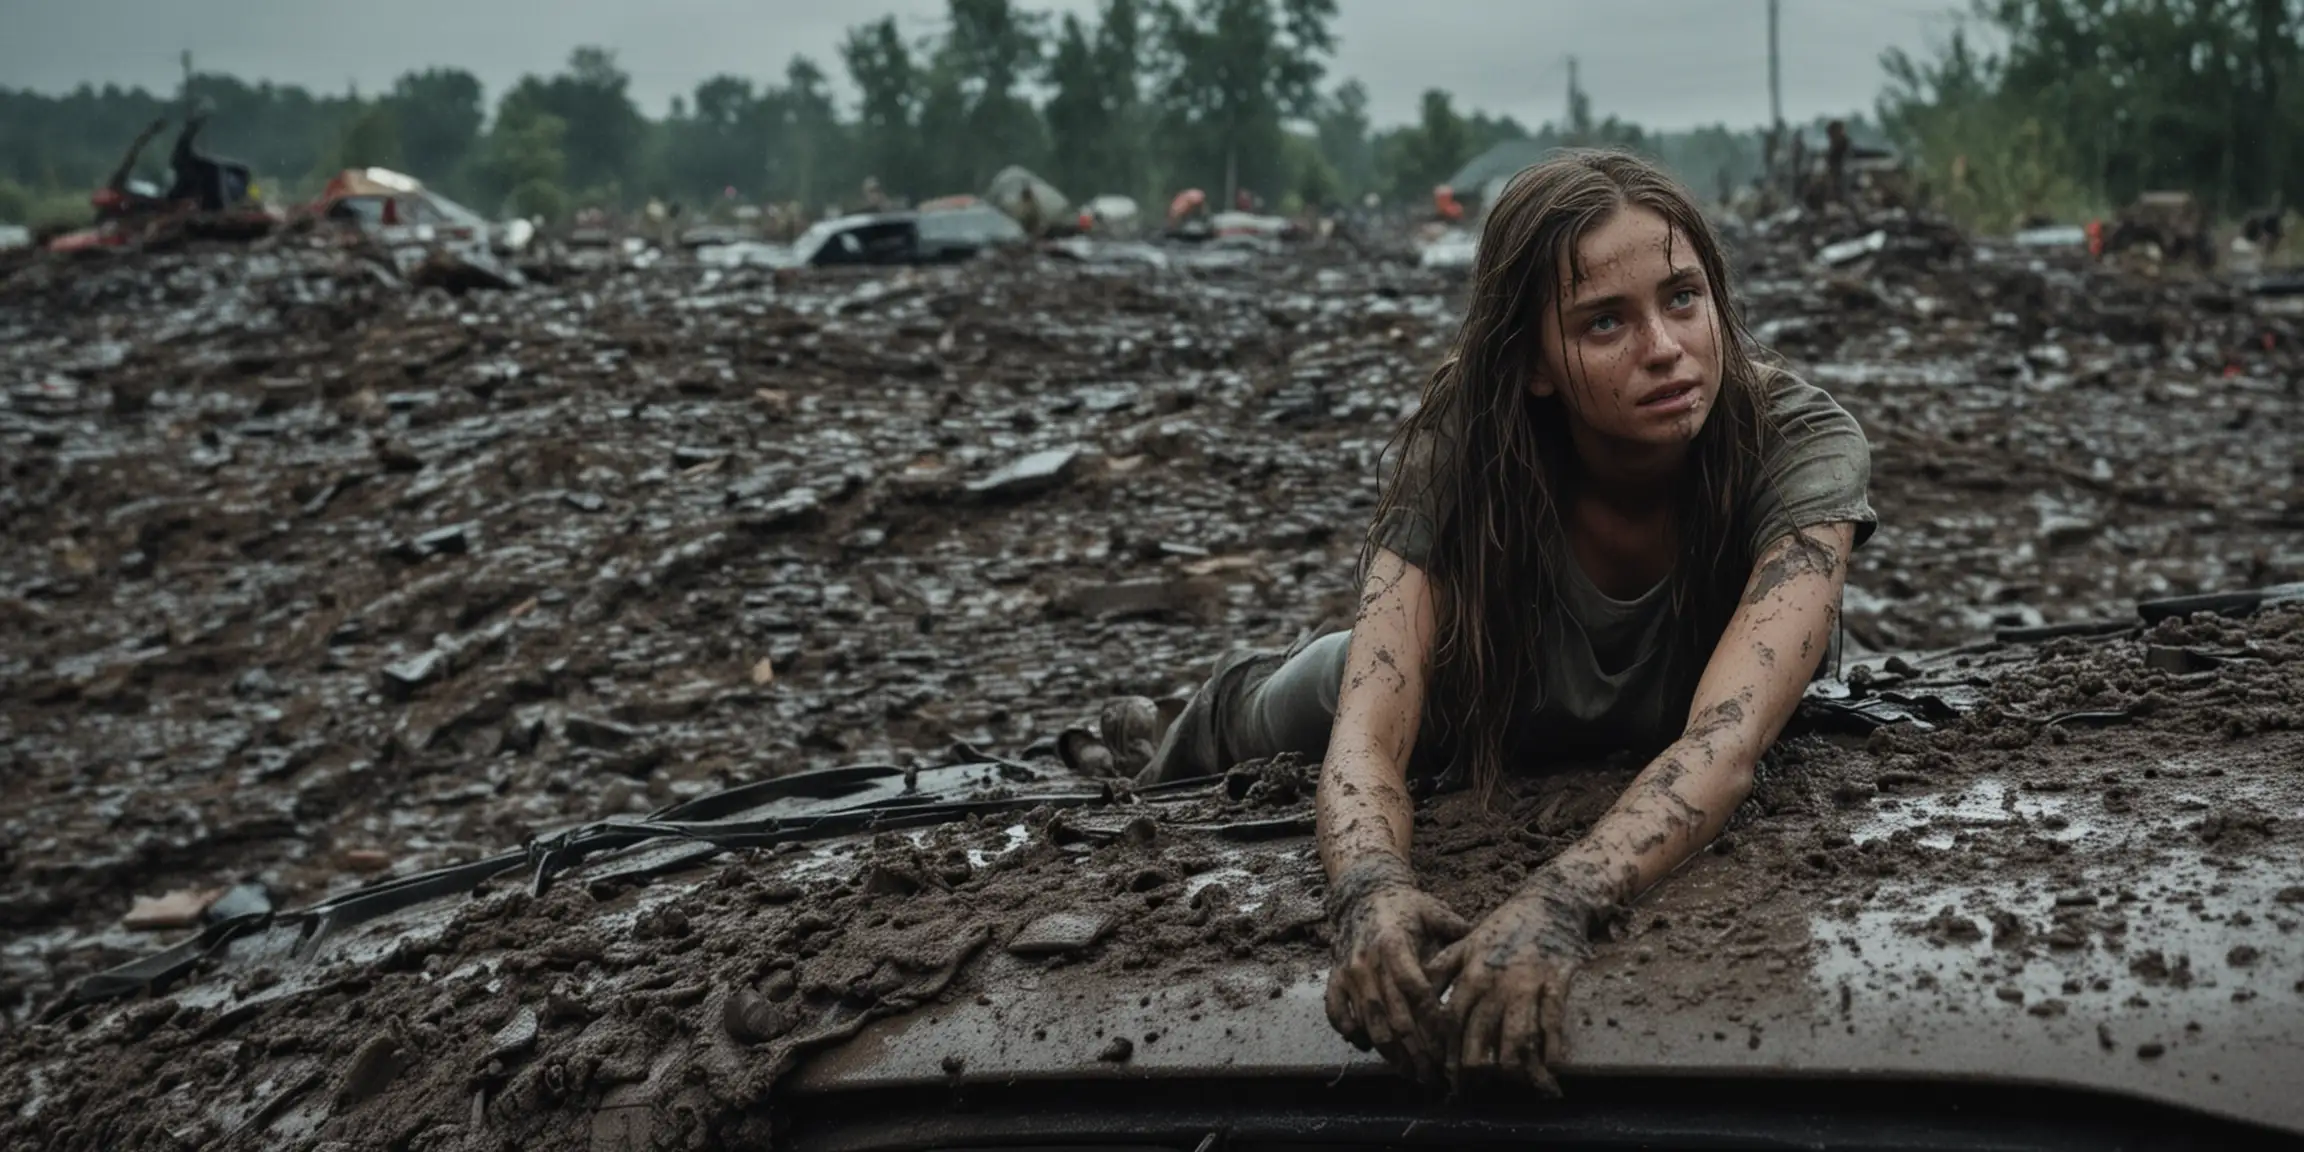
<point x="1409" y="525"/>
<point x="1818" y="469"/>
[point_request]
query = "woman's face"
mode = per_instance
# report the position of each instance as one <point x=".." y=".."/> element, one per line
<point x="1633" y="351"/>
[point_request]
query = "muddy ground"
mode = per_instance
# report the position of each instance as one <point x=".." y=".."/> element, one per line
<point x="2096" y="867"/>
<point x="312" y="578"/>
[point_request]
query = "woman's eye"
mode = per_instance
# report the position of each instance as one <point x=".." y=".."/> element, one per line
<point x="1683" y="298"/>
<point x="1602" y="323"/>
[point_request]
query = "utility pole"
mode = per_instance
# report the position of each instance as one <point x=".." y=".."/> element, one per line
<point x="1775" y="72"/>
<point x="1575" y="117"/>
<point x="1571" y="90"/>
<point x="1775" y="97"/>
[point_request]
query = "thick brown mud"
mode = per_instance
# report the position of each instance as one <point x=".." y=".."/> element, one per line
<point x="311" y="578"/>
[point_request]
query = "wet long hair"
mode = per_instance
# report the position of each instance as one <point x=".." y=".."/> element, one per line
<point x="1493" y="466"/>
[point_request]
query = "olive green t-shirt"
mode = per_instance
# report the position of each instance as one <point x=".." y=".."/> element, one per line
<point x="1606" y="674"/>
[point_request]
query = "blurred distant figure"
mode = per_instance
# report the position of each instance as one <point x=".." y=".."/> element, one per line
<point x="1187" y="204"/>
<point x="1029" y="214"/>
<point x="874" y="199"/>
<point x="2263" y="230"/>
<point x="1836" y="161"/>
<point x="1444" y="201"/>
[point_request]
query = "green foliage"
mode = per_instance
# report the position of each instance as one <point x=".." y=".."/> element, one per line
<point x="717" y="142"/>
<point x="992" y="47"/>
<point x="524" y="150"/>
<point x="439" y="113"/>
<point x="1095" y="118"/>
<point x="38" y="210"/>
<point x="73" y="141"/>
<point x="538" y="200"/>
<point x="2090" y="102"/>
<point x="602" y="130"/>
<point x="371" y="140"/>
<point x="1989" y="163"/>
<point x="279" y="131"/>
<point x="1411" y="162"/>
<point x="1342" y="127"/>
<point x="809" y="165"/>
<point x="2079" y="104"/>
<point x="1311" y="180"/>
<point x="887" y="123"/>
<point x="15" y="202"/>
<point x="1228" y="72"/>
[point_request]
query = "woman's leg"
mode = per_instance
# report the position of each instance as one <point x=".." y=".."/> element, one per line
<point x="1255" y="705"/>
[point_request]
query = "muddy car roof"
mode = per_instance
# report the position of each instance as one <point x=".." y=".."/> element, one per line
<point x="2124" y="948"/>
<point x="2000" y="871"/>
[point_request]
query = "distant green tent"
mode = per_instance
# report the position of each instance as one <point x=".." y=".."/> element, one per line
<point x="1498" y="164"/>
<point x="1006" y="192"/>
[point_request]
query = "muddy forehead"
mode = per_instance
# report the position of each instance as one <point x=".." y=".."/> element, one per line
<point x="1614" y="251"/>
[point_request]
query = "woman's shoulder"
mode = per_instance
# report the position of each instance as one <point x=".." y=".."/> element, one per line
<point x="1818" y="464"/>
<point x="1793" y="405"/>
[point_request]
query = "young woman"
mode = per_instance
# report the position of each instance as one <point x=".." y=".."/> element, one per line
<point x="1612" y="530"/>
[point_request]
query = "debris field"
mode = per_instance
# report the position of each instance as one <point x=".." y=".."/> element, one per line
<point x="314" y="578"/>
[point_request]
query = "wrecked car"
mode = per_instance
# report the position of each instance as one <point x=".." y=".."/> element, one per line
<point x="401" y="213"/>
<point x="933" y="237"/>
<point x="962" y="230"/>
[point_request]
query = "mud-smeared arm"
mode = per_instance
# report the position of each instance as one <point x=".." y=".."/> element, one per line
<point x="1751" y="685"/>
<point x="1382" y="927"/>
<point x="1508" y="979"/>
<point x="1363" y="796"/>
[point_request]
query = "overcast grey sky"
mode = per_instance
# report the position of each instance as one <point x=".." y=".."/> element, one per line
<point x="1665" y="63"/>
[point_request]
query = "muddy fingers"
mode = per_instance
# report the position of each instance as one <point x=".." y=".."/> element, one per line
<point x="1522" y="1042"/>
<point x="1552" y="1021"/>
<point x="1408" y="1027"/>
<point x="1382" y="929"/>
<point x="1344" y="1010"/>
<point x="1508" y="985"/>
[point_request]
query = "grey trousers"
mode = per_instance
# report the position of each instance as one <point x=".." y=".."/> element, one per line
<point x="1256" y="705"/>
<point x="1260" y="704"/>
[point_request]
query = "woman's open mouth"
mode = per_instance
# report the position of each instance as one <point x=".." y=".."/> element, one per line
<point x="1678" y="398"/>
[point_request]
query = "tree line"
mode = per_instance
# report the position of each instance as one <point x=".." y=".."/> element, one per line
<point x="1144" y="98"/>
<point x="2082" y="104"/>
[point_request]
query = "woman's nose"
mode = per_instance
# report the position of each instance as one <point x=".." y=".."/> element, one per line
<point x="1662" y="345"/>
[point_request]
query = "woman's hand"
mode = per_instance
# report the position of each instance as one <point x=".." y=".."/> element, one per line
<point x="1385" y="931"/>
<point x="1508" y="981"/>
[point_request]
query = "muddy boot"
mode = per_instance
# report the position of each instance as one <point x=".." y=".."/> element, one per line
<point x="1086" y="754"/>
<point x="1196" y="744"/>
<point x="1132" y="727"/>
